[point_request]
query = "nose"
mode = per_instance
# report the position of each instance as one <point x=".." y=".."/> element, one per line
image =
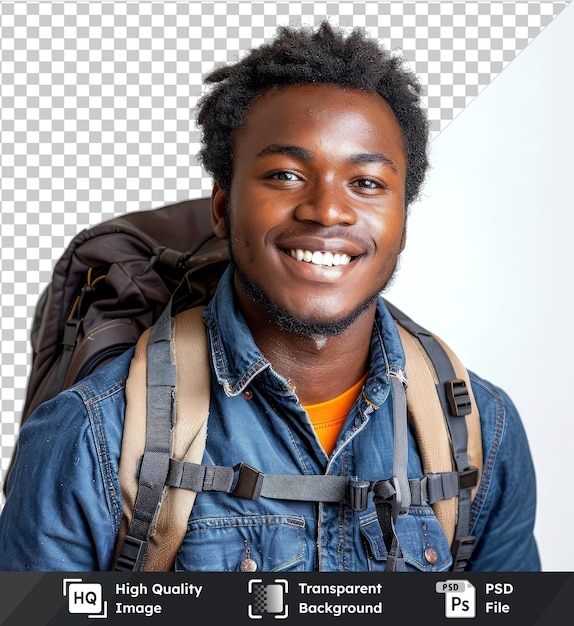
<point x="327" y="205"/>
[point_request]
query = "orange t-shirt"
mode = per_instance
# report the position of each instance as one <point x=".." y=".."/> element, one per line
<point x="328" y="417"/>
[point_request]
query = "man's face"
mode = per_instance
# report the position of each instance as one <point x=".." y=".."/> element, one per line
<point x="316" y="206"/>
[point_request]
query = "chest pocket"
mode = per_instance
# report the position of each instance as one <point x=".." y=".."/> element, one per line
<point x="421" y="537"/>
<point x="274" y="542"/>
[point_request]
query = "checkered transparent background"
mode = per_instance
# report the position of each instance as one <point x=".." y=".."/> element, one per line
<point x="97" y="106"/>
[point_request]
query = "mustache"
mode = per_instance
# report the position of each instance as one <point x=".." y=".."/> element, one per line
<point x="337" y="231"/>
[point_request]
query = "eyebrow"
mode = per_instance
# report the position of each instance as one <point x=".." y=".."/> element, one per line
<point x="373" y="157"/>
<point x="294" y="151"/>
<point x="306" y="155"/>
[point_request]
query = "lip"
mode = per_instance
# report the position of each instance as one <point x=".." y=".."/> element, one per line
<point x="317" y="257"/>
<point x="334" y="245"/>
<point x="310" y="272"/>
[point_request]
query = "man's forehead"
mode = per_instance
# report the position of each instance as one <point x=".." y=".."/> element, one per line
<point x="317" y="99"/>
<point x="283" y="112"/>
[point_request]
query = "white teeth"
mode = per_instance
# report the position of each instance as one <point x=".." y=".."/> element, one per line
<point x="317" y="258"/>
<point x="320" y="258"/>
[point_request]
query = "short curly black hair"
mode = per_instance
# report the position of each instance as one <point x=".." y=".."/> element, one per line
<point x="301" y="55"/>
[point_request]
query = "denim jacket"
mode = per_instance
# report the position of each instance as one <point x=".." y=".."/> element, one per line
<point x="64" y="506"/>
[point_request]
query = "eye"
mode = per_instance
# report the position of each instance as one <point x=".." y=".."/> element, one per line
<point x="286" y="176"/>
<point x="367" y="183"/>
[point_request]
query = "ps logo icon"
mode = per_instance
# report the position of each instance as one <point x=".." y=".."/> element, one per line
<point x="459" y="598"/>
<point x="85" y="598"/>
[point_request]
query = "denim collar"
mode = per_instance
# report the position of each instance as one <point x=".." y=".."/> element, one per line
<point x="238" y="361"/>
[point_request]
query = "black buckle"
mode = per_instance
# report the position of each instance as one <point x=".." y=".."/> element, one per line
<point x="71" y="332"/>
<point x="458" y="397"/>
<point x="385" y="495"/>
<point x="132" y="555"/>
<point x="249" y="482"/>
<point x="358" y="494"/>
<point x="468" y="478"/>
<point x="461" y="551"/>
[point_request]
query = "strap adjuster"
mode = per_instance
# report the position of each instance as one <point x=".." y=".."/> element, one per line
<point x="358" y="494"/>
<point x="71" y="332"/>
<point x="468" y="478"/>
<point x="458" y="397"/>
<point x="461" y="552"/>
<point x="249" y="482"/>
<point x="132" y="555"/>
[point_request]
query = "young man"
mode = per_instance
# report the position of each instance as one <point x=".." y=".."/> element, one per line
<point x="317" y="146"/>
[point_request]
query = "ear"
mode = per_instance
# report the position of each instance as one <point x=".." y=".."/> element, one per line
<point x="403" y="239"/>
<point x="404" y="235"/>
<point x="218" y="208"/>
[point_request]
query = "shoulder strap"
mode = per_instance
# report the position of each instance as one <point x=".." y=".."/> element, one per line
<point x="446" y="423"/>
<point x="156" y="539"/>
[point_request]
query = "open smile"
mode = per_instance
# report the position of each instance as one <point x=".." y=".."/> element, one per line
<point x="318" y="257"/>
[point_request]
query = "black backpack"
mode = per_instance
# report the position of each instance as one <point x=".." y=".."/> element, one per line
<point x="111" y="283"/>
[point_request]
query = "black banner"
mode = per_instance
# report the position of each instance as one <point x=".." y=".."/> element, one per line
<point x="112" y="598"/>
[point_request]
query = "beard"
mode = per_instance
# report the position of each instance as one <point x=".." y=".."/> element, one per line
<point x="292" y="323"/>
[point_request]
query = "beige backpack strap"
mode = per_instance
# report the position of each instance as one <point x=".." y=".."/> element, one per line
<point x="429" y="423"/>
<point x="189" y="350"/>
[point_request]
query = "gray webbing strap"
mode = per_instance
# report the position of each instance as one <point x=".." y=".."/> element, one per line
<point x="327" y="489"/>
<point x="393" y="498"/>
<point x="161" y="380"/>
<point x="385" y="500"/>
<point x="455" y="420"/>
<point x="400" y="445"/>
<point x="442" y="486"/>
<point x="314" y="488"/>
<point x="246" y="482"/>
<point x="445" y="373"/>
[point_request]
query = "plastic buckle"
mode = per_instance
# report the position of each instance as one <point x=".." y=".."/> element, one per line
<point x="358" y="494"/>
<point x="385" y="494"/>
<point x="132" y="555"/>
<point x="458" y="397"/>
<point x="468" y="478"/>
<point x="71" y="332"/>
<point x="249" y="482"/>
<point x="461" y="551"/>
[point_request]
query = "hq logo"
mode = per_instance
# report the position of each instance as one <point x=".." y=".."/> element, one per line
<point x="85" y="598"/>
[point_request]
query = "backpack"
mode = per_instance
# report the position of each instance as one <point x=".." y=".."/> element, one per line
<point x="110" y="284"/>
<point x="136" y="280"/>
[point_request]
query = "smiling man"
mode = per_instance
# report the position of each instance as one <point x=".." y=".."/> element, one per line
<point x="317" y="146"/>
<point x="315" y="217"/>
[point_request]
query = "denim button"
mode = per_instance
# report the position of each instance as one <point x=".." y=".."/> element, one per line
<point x="248" y="395"/>
<point x="431" y="555"/>
<point x="248" y="565"/>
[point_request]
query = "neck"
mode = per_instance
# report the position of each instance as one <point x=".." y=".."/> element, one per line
<point x="318" y="368"/>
